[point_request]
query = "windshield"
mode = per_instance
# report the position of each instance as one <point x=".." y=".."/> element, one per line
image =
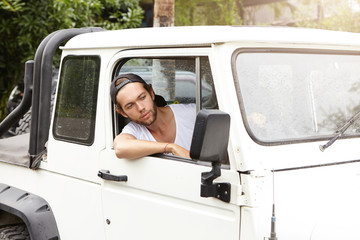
<point x="297" y="96"/>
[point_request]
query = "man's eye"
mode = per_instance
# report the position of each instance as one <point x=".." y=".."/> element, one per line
<point x="142" y="97"/>
<point x="129" y="106"/>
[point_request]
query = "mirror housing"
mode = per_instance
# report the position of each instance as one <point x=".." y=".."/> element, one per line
<point x="211" y="136"/>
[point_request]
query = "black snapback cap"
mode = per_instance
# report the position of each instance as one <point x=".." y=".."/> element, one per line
<point x="130" y="77"/>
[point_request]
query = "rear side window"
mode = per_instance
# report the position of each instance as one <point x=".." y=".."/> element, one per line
<point x="76" y="100"/>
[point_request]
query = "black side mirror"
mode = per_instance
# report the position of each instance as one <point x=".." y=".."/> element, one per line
<point x="211" y="136"/>
<point x="209" y="144"/>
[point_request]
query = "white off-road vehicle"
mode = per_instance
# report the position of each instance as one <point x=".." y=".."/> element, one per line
<point x="275" y="152"/>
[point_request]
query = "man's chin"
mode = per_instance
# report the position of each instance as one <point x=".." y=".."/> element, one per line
<point x="145" y="123"/>
<point x="149" y="121"/>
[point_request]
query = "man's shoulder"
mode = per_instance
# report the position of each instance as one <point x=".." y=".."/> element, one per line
<point x="132" y="126"/>
<point x="138" y="131"/>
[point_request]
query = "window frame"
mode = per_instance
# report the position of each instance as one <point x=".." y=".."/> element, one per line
<point x="163" y="53"/>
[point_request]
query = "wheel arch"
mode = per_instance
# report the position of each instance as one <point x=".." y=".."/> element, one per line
<point x="33" y="210"/>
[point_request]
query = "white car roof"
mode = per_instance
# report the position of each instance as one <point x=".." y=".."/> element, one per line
<point x="207" y="35"/>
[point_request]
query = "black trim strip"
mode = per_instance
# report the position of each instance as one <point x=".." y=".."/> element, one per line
<point x="315" y="166"/>
<point x="247" y="172"/>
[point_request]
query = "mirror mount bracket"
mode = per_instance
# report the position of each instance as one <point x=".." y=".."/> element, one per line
<point x="220" y="191"/>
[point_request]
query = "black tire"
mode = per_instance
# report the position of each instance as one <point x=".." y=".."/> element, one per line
<point x="25" y="121"/>
<point x="24" y="124"/>
<point x="14" y="232"/>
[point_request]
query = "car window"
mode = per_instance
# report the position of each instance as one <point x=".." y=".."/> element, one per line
<point x="174" y="79"/>
<point x="77" y="99"/>
<point x="297" y="96"/>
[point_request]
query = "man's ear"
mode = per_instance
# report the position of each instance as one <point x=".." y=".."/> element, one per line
<point x="121" y="112"/>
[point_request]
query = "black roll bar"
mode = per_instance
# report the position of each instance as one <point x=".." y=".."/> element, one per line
<point x="25" y="104"/>
<point x="36" y="97"/>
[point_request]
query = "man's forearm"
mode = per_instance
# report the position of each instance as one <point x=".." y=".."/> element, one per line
<point x="127" y="146"/>
<point x="134" y="148"/>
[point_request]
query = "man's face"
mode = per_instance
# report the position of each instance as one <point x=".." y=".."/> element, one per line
<point x="137" y="103"/>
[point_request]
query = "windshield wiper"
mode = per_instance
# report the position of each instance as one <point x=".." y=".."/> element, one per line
<point x="339" y="132"/>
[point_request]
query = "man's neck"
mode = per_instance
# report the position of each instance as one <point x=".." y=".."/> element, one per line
<point x="163" y="129"/>
<point x="162" y="119"/>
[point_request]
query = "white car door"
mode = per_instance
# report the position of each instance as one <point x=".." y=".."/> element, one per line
<point x="158" y="197"/>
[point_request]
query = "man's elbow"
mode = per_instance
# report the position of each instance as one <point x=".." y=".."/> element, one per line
<point x="120" y="148"/>
<point x="118" y="153"/>
<point x="123" y="145"/>
<point x="121" y="153"/>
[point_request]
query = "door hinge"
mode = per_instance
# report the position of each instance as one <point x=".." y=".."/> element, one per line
<point x="218" y="190"/>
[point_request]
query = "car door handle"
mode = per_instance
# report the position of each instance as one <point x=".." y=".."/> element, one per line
<point x="106" y="175"/>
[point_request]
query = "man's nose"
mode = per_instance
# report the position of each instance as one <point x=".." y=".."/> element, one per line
<point x="140" y="106"/>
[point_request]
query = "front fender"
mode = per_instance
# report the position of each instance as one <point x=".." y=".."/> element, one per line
<point x="33" y="210"/>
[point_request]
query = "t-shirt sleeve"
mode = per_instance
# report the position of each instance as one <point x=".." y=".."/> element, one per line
<point x="138" y="131"/>
<point x="132" y="129"/>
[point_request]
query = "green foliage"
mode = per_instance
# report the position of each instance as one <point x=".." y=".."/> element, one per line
<point x="12" y="6"/>
<point x="207" y="12"/>
<point x="24" y="23"/>
<point x="109" y="14"/>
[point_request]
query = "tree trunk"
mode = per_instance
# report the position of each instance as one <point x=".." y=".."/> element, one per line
<point x="164" y="12"/>
<point x="163" y="74"/>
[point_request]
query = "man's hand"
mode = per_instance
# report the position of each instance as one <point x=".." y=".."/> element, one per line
<point x="176" y="150"/>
